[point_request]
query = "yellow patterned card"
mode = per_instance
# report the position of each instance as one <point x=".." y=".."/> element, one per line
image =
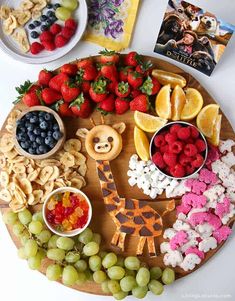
<point x="111" y="22"/>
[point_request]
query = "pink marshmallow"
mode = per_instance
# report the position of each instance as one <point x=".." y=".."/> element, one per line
<point x="196" y="201"/>
<point x="207" y="176"/>
<point x="223" y="208"/>
<point x="194" y="250"/>
<point x="222" y="233"/>
<point x="183" y="208"/>
<point x="178" y="240"/>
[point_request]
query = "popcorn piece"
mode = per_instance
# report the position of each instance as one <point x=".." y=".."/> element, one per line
<point x="178" y="240"/>
<point x="205" y="230"/>
<point x="165" y="247"/>
<point x="226" y="146"/>
<point x="181" y="225"/>
<point x="173" y="258"/>
<point x="229" y="159"/>
<point x="207" y="244"/>
<point x="222" y="233"/>
<point x="196" y="201"/>
<point x="196" y="186"/>
<point x="190" y="261"/>
<point x="169" y="233"/>
<point x="223" y="208"/>
<point x="208" y="176"/>
<point x="194" y="250"/>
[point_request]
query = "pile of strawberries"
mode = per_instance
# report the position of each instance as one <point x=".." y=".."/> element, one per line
<point x="111" y="85"/>
<point x="56" y="37"/>
<point x="179" y="151"/>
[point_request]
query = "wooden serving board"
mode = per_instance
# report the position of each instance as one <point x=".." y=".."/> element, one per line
<point x="101" y="221"/>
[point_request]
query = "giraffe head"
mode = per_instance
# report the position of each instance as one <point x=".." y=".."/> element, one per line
<point x="103" y="142"/>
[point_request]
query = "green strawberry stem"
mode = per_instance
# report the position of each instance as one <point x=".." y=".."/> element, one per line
<point x="22" y="90"/>
<point x="147" y="86"/>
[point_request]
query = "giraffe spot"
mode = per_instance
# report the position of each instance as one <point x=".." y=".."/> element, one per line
<point x="111" y="186"/>
<point x="142" y="204"/>
<point x="106" y="168"/>
<point x="106" y="192"/>
<point x="144" y="231"/>
<point x="116" y="199"/>
<point x="157" y="226"/>
<point x="139" y="220"/>
<point x="110" y="176"/>
<point x="102" y="176"/>
<point x="127" y="230"/>
<point x="110" y="207"/>
<point x="129" y="204"/>
<point x="121" y="217"/>
<point x="130" y="213"/>
<point x="148" y="214"/>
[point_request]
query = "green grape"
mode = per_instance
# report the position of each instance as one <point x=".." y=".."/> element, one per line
<point x="35" y="262"/>
<point x="130" y="273"/>
<point x="18" y="229"/>
<point x="132" y="263"/>
<point x="127" y="283"/>
<point x="102" y="254"/>
<point x="140" y="291"/>
<point x="156" y="287"/>
<point x="114" y="286"/>
<point x="81" y="278"/>
<point x="53" y="272"/>
<point x="86" y="236"/>
<point x="109" y="260"/>
<point x="10" y="218"/>
<point x="104" y="286"/>
<point x="44" y="236"/>
<point x="31" y="248"/>
<point x="99" y="276"/>
<point x="96" y="238"/>
<point x="91" y="248"/>
<point x="89" y="275"/>
<point x="37" y="216"/>
<point x="81" y="265"/>
<point x="120" y="261"/>
<point x="116" y="272"/>
<point x="52" y="242"/>
<point x="143" y="277"/>
<point x="69" y="275"/>
<point x="35" y="227"/>
<point x="63" y="13"/>
<point x="95" y="263"/>
<point x="72" y="257"/>
<point x="69" y="4"/>
<point x="65" y="243"/>
<point x="42" y="253"/>
<point x="168" y="276"/>
<point x="25" y="216"/>
<point x="21" y="253"/>
<point x="56" y="254"/>
<point x="155" y="273"/>
<point x="24" y="237"/>
<point x="120" y="295"/>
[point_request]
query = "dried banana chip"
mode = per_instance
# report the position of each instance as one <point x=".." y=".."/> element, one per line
<point x="5" y="12"/>
<point x="11" y="154"/>
<point x="26" y="5"/>
<point x="26" y="185"/>
<point x="33" y="175"/>
<point x="49" y="186"/>
<point x="21" y="38"/>
<point x="23" y="17"/>
<point x="31" y="200"/>
<point x="21" y="199"/>
<point x="4" y="178"/>
<point x="76" y="183"/>
<point x="38" y="195"/>
<point x="79" y="158"/>
<point x="16" y="206"/>
<point x="36" y="14"/>
<point x="82" y="169"/>
<point x="39" y="5"/>
<point x="67" y="159"/>
<point x="19" y="168"/>
<point x="9" y="25"/>
<point x="72" y="145"/>
<point x="6" y="143"/>
<point x="10" y="128"/>
<point x="46" y="173"/>
<point x="3" y="161"/>
<point x="55" y="174"/>
<point x="14" y="115"/>
<point x="5" y="195"/>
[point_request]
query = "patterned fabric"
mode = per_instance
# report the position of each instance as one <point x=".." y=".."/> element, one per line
<point x="111" y="22"/>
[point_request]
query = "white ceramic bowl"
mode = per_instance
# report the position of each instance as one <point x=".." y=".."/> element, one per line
<point x="165" y="128"/>
<point x="72" y="232"/>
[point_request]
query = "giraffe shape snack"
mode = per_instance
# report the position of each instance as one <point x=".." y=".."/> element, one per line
<point x="131" y="216"/>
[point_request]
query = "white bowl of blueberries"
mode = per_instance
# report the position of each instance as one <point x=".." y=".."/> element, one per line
<point x="39" y="133"/>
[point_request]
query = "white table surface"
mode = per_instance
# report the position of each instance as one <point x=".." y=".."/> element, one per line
<point x="215" y="280"/>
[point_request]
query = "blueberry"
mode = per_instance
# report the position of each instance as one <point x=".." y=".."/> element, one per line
<point x="22" y="137"/>
<point x="34" y="34"/>
<point x="57" y="5"/>
<point x="25" y="144"/>
<point x="43" y="125"/>
<point x="49" y="140"/>
<point x="36" y="23"/>
<point x="32" y="137"/>
<point x="52" y="145"/>
<point x="43" y="18"/>
<point x="48" y="22"/>
<point x="43" y="149"/>
<point x="49" y="133"/>
<point x="39" y="140"/>
<point x="44" y="27"/>
<point x="43" y="134"/>
<point x="20" y="122"/>
<point x="34" y="144"/>
<point x="48" y="116"/>
<point x="41" y="114"/>
<point x="55" y="127"/>
<point x="38" y="152"/>
<point x="50" y="13"/>
<point x="22" y="129"/>
<point x="53" y="19"/>
<point x="37" y="131"/>
<point x="57" y="135"/>
<point x="31" y="26"/>
<point x="32" y="151"/>
<point x="30" y="127"/>
<point x="34" y="119"/>
<point x="28" y="115"/>
<point x="49" y="6"/>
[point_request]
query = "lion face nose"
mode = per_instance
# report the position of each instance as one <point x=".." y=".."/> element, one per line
<point x="103" y="147"/>
<point x="208" y="23"/>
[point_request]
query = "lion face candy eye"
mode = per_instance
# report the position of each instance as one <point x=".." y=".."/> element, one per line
<point x="110" y="139"/>
<point x="96" y="139"/>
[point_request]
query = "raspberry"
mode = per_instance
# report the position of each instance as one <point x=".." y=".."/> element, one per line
<point x="46" y="36"/>
<point x="71" y="23"/>
<point x="49" y="45"/>
<point x="36" y="47"/>
<point x="194" y="132"/>
<point x="176" y="147"/>
<point x="60" y="41"/>
<point x="158" y="160"/>
<point x="55" y="29"/>
<point x="170" y="138"/>
<point x="177" y="171"/>
<point x="67" y="32"/>
<point x="183" y="133"/>
<point x="184" y="160"/>
<point x="200" y="144"/>
<point x="198" y="161"/>
<point x="164" y="149"/>
<point x="190" y="150"/>
<point x="169" y="159"/>
<point x="190" y="169"/>
<point x="174" y="128"/>
<point x="159" y="141"/>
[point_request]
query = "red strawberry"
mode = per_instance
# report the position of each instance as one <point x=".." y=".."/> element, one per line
<point x="81" y="106"/>
<point x="55" y="29"/>
<point x="70" y="69"/>
<point x="107" y="105"/>
<point x="44" y="77"/>
<point x="121" y="105"/>
<point x="140" y="103"/>
<point x="71" y="23"/>
<point x="84" y="63"/>
<point x="108" y="57"/>
<point x="50" y="96"/>
<point x="132" y="59"/>
<point x="31" y="99"/>
<point x="67" y="32"/>
<point x="123" y="73"/>
<point x="60" y="41"/>
<point x="57" y="81"/>
<point x="63" y="109"/>
<point x="69" y="91"/>
<point x="151" y="86"/>
<point x="36" y="47"/>
<point x="85" y="86"/>
<point x="88" y="73"/>
<point x="135" y="79"/>
<point x="49" y="45"/>
<point x="144" y="68"/>
<point x="109" y="71"/>
<point x="112" y="85"/>
<point x="135" y="93"/>
<point x="29" y="94"/>
<point x="46" y="36"/>
<point x="98" y="90"/>
<point x="122" y="89"/>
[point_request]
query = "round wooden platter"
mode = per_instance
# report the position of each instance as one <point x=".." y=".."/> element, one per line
<point x="101" y="221"/>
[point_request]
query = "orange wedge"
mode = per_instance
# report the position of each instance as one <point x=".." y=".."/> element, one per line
<point x="214" y="140"/>
<point x="178" y="100"/>
<point x="148" y="123"/>
<point x="193" y="105"/>
<point x="163" y="102"/>
<point x="206" y="119"/>
<point x="141" y="144"/>
<point x="166" y="78"/>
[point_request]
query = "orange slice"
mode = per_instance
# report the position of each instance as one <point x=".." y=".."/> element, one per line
<point x="148" y="123"/>
<point x="165" y="78"/>
<point x="178" y="100"/>
<point x="206" y="119"/>
<point x="214" y="140"/>
<point x="193" y="105"/>
<point x="141" y="144"/>
<point x="163" y="102"/>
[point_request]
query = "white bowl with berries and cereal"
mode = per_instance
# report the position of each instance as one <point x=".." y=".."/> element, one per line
<point x="43" y="31"/>
<point x="179" y="150"/>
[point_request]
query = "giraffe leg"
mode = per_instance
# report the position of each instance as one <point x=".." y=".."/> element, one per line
<point x="151" y="246"/>
<point x="115" y="238"/>
<point x="140" y="246"/>
<point x="121" y="240"/>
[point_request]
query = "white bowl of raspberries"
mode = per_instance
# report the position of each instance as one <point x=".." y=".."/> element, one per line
<point x="179" y="150"/>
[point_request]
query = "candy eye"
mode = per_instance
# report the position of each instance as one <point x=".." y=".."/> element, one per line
<point x="110" y="139"/>
<point x="96" y="140"/>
